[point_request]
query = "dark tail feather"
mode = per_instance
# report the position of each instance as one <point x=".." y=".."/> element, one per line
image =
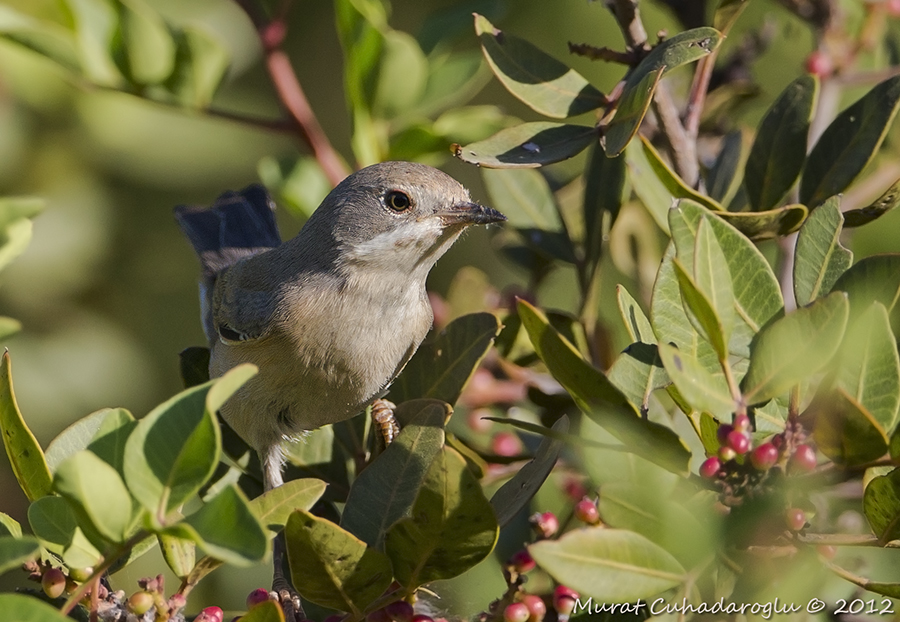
<point x="238" y="224"/>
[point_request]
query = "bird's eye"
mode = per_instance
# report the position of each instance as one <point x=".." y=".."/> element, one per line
<point x="398" y="201"/>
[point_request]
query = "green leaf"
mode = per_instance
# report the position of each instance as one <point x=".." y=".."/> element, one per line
<point x="180" y="554"/>
<point x="779" y="151"/>
<point x="524" y="197"/>
<point x="174" y="450"/>
<point x="273" y="507"/>
<point x="14" y="208"/>
<point x="453" y="79"/>
<point x="9" y="526"/>
<point x="402" y="75"/>
<point x="542" y="82"/>
<point x="111" y="437"/>
<point x="673" y="183"/>
<point x="819" y="257"/>
<point x="16" y="551"/>
<point x="333" y="568"/>
<point x="268" y="611"/>
<point x="846" y="431"/>
<point x="112" y="513"/>
<point x="45" y="38"/>
<point x="630" y="112"/>
<point x="528" y="145"/>
<point x="724" y="177"/>
<point x="14" y="239"/>
<point x="518" y="491"/>
<point x="194" y="366"/>
<point x="53" y="521"/>
<point x="881" y="206"/>
<point x="727" y="13"/>
<point x="440" y="369"/>
<point x="241" y="540"/>
<point x="764" y="225"/>
<point x="637" y="372"/>
<point x="201" y="62"/>
<point x="599" y="399"/>
<point x="702" y="312"/>
<point x="704" y="391"/>
<point x="9" y="327"/>
<point x="360" y="25"/>
<point x="603" y="194"/>
<point x="74" y="438"/>
<point x="873" y="279"/>
<point x="96" y="27"/>
<point x="849" y="143"/>
<point x="451" y="527"/>
<point x="25" y="455"/>
<point x="712" y="275"/>
<point x="636" y="323"/>
<point x="881" y="505"/>
<point x="385" y="491"/>
<point x="685" y="47"/>
<point x="795" y="347"/>
<point x="144" y="44"/>
<point x="609" y="565"/>
<point x="20" y="608"/>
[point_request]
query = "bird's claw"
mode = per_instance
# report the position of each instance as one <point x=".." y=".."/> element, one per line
<point x="383" y="418"/>
<point x="290" y="604"/>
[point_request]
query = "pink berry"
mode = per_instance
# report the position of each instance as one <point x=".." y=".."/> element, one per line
<point x="795" y="518"/>
<point x="764" y="456"/>
<point x="506" y="444"/>
<point x="803" y="460"/>
<point x="742" y="423"/>
<point x="516" y="612"/>
<point x="586" y="511"/>
<point x="546" y="525"/>
<point x="522" y="561"/>
<point x="564" y="600"/>
<point x="477" y="421"/>
<point x="400" y="611"/>
<point x="710" y="467"/>
<point x="140" y="603"/>
<point x="893" y="8"/>
<point x="421" y="617"/>
<point x="722" y="433"/>
<point x="739" y="442"/>
<point x="257" y="596"/>
<point x="53" y="582"/>
<point x="210" y="614"/>
<point x="574" y="488"/>
<point x="537" y="608"/>
<point x="819" y="64"/>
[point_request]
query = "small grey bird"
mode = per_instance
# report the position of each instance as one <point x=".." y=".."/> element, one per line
<point x="332" y="316"/>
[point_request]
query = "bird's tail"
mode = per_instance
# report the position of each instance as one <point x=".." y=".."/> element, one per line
<point x="237" y="225"/>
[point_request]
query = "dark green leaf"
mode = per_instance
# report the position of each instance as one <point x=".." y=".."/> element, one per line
<point x="21" y="608"/>
<point x="16" y="551"/>
<point x="78" y="480"/>
<point x="524" y="197"/>
<point x="53" y="521"/>
<point x="609" y="565"/>
<point x="599" y="399"/>
<point x="630" y="112"/>
<point x="724" y="177"/>
<point x="194" y="364"/>
<point x="545" y="84"/>
<point x="885" y="203"/>
<point x="779" y="150"/>
<point x="516" y="493"/>
<point x="603" y="190"/>
<point x="528" y="145"/>
<point x="385" y="491"/>
<point x="819" y="257"/>
<point x="873" y="279"/>
<point x="794" y="347"/>
<point x="440" y="369"/>
<point x="849" y="143"/>
<point x="25" y="455"/>
<point x="685" y="47"/>
<point x="333" y="568"/>
<point x="846" y="431"/>
<point x="275" y="506"/>
<point x="763" y="225"/>
<point x="881" y="505"/>
<point x="451" y="527"/>
<point x="704" y="391"/>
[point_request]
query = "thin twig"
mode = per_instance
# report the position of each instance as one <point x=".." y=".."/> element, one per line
<point x="697" y="97"/>
<point x="683" y="147"/>
<point x="602" y="53"/>
<point x="839" y="539"/>
<point x="628" y="16"/>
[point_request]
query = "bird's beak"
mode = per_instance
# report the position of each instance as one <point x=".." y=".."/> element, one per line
<point x="470" y="214"/>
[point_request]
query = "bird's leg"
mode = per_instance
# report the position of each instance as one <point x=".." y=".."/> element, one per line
<point x="282" y="589"/>
<point x="383" y="418"/>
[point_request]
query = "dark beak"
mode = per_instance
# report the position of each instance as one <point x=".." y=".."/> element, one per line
<point x="470" y="214"/>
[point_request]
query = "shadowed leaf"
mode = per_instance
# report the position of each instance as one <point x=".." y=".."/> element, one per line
<point x="873" y="279"/>
<point x="53" y="521"/>
<point x="881" y="206"/>
<point x="604" y="186"/>
<point x="724" y="177"/>
<point x="16" y="551"/>
<point x="22" y="608"/>
<point x="528" y="145"/>
<point x="765" y="225"/>
<point x="630" y="112"/>
<point x="881" y="505"/>
<point x="846" y="431"/>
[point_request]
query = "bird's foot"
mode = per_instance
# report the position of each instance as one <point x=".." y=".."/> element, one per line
<point x="383" y="418"/>
<point x="290" y="603"/>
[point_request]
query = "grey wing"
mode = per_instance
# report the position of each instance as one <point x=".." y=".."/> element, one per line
<point x="240" y="314"/>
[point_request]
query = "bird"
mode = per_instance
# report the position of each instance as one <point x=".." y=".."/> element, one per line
<point x="331" y="316"/>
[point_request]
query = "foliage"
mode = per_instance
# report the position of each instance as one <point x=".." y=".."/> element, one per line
<point x="772" y="371"/>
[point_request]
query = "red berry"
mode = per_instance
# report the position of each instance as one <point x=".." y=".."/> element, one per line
<point x="574" y="488"/>
<point x="400" y="611"/>
<point x="710" y="467"/>
<point x="742" y="423"/>
<point x="210" y="614"/>
<point x="726" y="454"/>
<point x="516" y="612"/>
<point x="257" y="596"/>
<point x="764" y="456"/>
<point x="739" y="442"/>
<point x="819" y="64"/>
<point x="795" y="518"/>
<point x="522" y="561"/>
<point x="506" y="444"/>
<point x="421" y="617"/>
<point x="54" y="582"/>
<point x="140" y="603"/>
<point x="564" y="600"/>
<point x="586" y="511"/>
<point x="536" y="607"/>
<point x="546" y="524"/>
<point x="723" y="432"/>
<point x="803" y="460"/>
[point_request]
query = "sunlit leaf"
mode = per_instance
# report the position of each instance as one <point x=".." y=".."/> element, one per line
<point x="819" y="257"/>
<point x="528" y="145"/>
<point x="704" y="391"/>
<point x="45" y="38"/>
<point x="201" y="62"/>
<point x="872" y="279"/>
<point x="145" y="45"/>
<point x="764" y="225"/>
<point x="524" y="197"/>
<point x="402" y="75"/>
<point x="275" y="506"/>
<point x="180" y="554"/>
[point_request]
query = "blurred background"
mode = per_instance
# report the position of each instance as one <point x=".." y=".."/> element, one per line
<point x="106" y="291"/>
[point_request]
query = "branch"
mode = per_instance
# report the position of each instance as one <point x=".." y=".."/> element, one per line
<point x="628" y="16"/>
<point x="602" y="53"/>
<point x="683" y="146"/>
